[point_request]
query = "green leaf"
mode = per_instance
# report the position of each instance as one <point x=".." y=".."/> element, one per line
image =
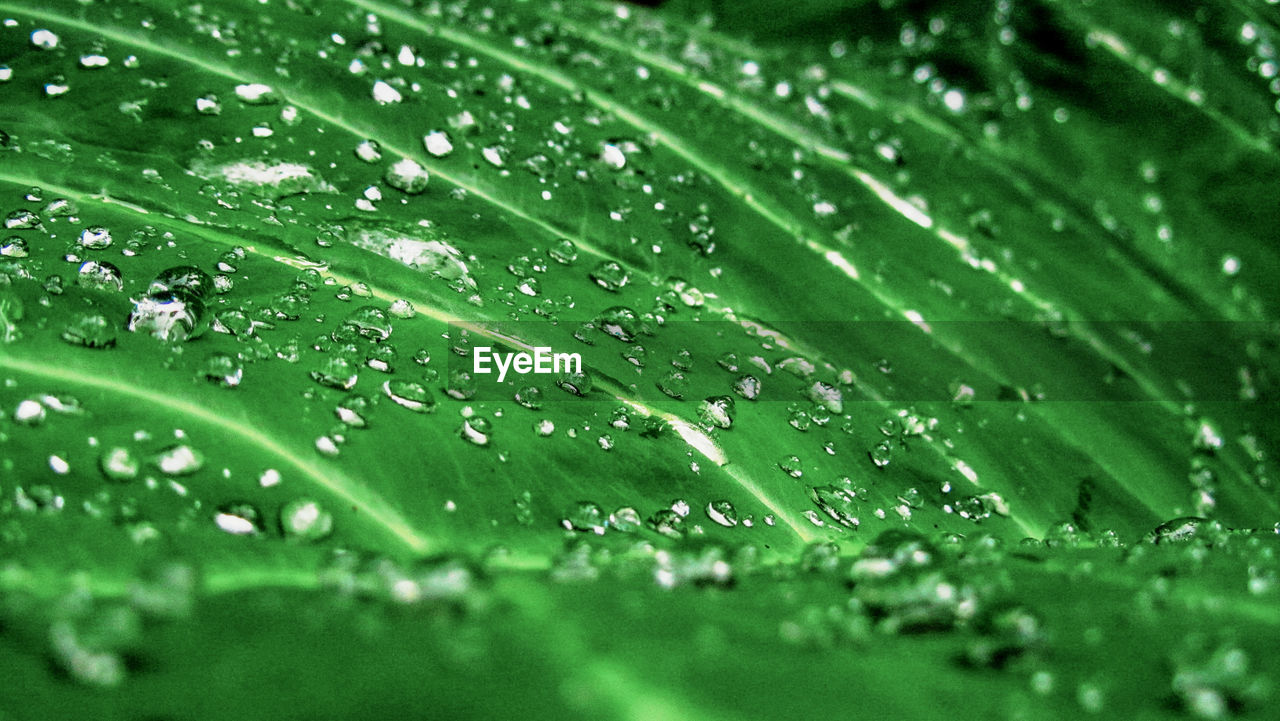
<point x="929" y="361"/>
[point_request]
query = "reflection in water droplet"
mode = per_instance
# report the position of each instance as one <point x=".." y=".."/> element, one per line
<point x="95" y="238"/>
<point x="167" y="317"/>
<point x="717" y="411"/>
<point x="584" y="516"/>
<point x="223" y="369"/>
<point x="477" y="430"/>
<point x="99" y="275"/>
<point x="881" y="454"/>
<point x="723" y="513"/>
<point x="610" y="275"/>
<point x="410" y="394"/>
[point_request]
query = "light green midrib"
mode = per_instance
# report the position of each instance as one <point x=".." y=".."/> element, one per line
<point x="371" y="506"/>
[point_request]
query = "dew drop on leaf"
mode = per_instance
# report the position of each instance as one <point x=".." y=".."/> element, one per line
<point x="178" y="460"/>
<point x="238" y="519"/>
<point x="407" y="176"/>
<point x="95" y="238"/>
<point x="119" y="464"/>
<point x="305" y="520"/>
<point x="723" y="513"/>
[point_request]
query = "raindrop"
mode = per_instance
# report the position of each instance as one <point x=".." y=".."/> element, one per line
<point x="119" y="464"/>
<point x="239" y="519"/>
<point x="95" y="238"/>
<point x="336" y="372"/>
<point x="369" y="151"/>
<point x="410" y="394"/>
<point x="223" y="369"/>
<point x="164" y="316"/>
<point x="44" y="39"/>
<point x="384" y="93"/>
<point x="407" y="176"/>
<point x="625" y="519"/>
<point x="564" y="251"/>
<point x="90" y="331"/>
<point x="584" y="516"/>
<point x="717" y="411"/>
<point x="610" y="275"/>
<point x="477" y="430"/>
<point x="305" y="520"/>
<point x="29" y="413"/>
<point x="791" y="466"/>
<point x="99" y="275"/>
<point x="178" y="460"/>
<point x="256" y="94"/>
<point x="437" y="143"/>
<point x="722" y="512"/>
<point x="881" y="454"/>
<point x="208" y="105"/>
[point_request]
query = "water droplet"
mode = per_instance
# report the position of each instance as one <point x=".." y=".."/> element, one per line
<point x="410" y="394"/>
<point x="99" y="275"/>
<point x="208" y="105"/>
<point x="29" y="413"/>
<point x="305" y="520"/>
<point x="407" y="176"/>
<point x="44" y="39"/>
<point x="90" y="331"/>
<point x="563" y="251"/>
<point x="495" y="154"/>
<point x="674" y="384"/>
<point x="437" y="143"/>
<point x="21" y="219"/>
<point x="183" y="280"/>
<point x="239" y="519"/>
<point x="1178" y="530"/>
<point x="477" y="430"/>
<point x="612" y="156"/>
<point x="167" y="317"/>
<point x="178" y="460"/>
<point x="610" y="275"/>
<point x="384" y="93"/>
<point x="256" y="94"/>
<point x="717" y="411"/>
<point x="881" y="454"/>
<point x="722" y="512"/>
<point x="14" y="247"/>
<point x="584" y="516"/>
<point x="369" y="151"/>
<point x="668" y="523"/>
<point x="119" y="464"/>
<point x="223" y="369"/>
<point x="625" y="520"/>
<point x="336" y="372"/>
<point x="95" y="238"/>
<point x="748" y="387"/>
<point x="791" y="466"/>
